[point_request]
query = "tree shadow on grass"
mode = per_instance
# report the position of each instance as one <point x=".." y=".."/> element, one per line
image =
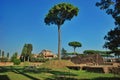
<point x="4" y="77"/>
<point x="107" y="78"/>
<point x="4" y="69"/>
<point x="62" y="78"/>
<point x="17" y="71"/>
<point x="51" y="71"/>
<point x="56" y="74"/>
<point x="99" y="78"/>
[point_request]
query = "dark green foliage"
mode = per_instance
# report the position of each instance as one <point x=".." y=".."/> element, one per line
<point x="90" y="52"/>
<point x="3" y="54"/>
<point x="112" y="8"/>
<point x="58" y="15"/>
<point x="63" y="53"/>
<point x="95" y="52"/>
<point x="75" y="44"/>
<point x="16" y="61"/>
<point x="7" y="55"/>
<point x="30" y="69"/>
<point x="113" y="41"/>
<point x="14" y="56"/>
<point x="61" y="12"/>
<point x="0" y="53"/>
<point x="102" y="53"/>
<point x="26" y="52"/>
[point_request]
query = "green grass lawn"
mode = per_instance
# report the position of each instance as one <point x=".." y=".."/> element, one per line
<point x="22" y="73"/>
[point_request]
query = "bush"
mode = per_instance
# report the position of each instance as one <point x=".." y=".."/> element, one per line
<point x="16" y="61"/>
<point x="30" y="69"/>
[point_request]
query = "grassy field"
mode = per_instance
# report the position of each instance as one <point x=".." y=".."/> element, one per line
<point x="48" y="73"/>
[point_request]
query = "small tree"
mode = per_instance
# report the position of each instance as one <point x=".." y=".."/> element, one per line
<point x="89" y="52"/>
<point x="14" y="56"/>
<point x="64" y="52"/>
<point x="2" y="54"/>
<point x="58" y="15"/>
<point x="75" y="44"/>
<point x="8" y="55"/>
<point x="16" y="61"/>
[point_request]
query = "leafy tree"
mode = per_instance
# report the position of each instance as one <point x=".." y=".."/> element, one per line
<point x="2" y="54"/>
<point x="26" y="52"/>
<point x="14" y="56"/>
<point x="63" y="52"/>
<point x="7" y="55"/>
<point x="89" y="52"/>
<point x="113" y="41"/>
<point x="102" y="53"/>
<point x="75" y="44"/>
<point x="112" y="38"/>
<point x="112" y="8"/>
<point x="16" y="61"/>
<point x="58" y="15"/>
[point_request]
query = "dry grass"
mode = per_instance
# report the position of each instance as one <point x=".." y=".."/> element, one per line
<point x="57" y="64"/>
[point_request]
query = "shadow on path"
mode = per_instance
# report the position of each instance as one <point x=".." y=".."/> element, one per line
<point x="4" y="77"/>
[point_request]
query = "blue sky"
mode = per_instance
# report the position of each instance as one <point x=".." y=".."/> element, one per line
<point x="22" y="21"/>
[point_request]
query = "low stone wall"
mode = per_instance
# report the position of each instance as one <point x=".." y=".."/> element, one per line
<point x="93" y="69"/>
<point x="97" y="69"/>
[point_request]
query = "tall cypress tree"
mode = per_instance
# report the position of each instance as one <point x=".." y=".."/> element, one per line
<point x="26" y="52"/>
<point x="0" y="53"/>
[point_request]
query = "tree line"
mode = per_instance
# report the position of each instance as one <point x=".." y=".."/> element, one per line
<point x="62" y="12"/>
<point x="4" y="57"/>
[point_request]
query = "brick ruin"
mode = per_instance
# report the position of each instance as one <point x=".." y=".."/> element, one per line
<point x="90" y="58"/>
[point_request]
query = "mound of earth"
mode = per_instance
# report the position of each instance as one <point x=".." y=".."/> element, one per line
<point x="91" y="58"/>
<point x="57" y="64"/>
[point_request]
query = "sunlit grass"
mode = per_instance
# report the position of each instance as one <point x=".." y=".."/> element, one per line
<point x="48" y="73"/>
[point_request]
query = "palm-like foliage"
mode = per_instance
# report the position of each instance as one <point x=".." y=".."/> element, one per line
<point x="58" y="15"/>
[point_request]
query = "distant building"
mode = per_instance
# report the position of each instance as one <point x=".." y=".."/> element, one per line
<point x="47" y="54"/>
<point x="35" y="55"/>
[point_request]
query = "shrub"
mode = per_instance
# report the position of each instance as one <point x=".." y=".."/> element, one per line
<point x="30" y="69"/>
<point x="16" y="61"/>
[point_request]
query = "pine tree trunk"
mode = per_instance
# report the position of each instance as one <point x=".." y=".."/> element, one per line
<point x="59" y="42"/>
